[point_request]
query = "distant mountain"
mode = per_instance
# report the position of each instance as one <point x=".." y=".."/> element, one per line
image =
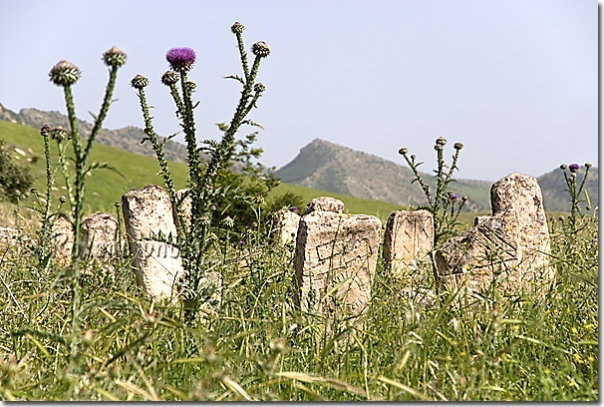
<point x="331" y="167"/>
<point x="127" y="138"/>
<point x="338" y="169"/>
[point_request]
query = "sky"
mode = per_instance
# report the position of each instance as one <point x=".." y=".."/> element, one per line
<point x="515" y="81"/>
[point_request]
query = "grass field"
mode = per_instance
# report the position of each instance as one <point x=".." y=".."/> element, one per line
<point x="536" y="345"/>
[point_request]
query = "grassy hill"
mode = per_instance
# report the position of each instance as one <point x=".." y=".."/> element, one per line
<point x="105" y="187"/>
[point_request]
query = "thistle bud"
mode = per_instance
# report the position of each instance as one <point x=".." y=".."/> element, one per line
<point x="402" y="151"/>
<point x="169" y="78"/>
<point x="62" y="199"/>
<point x="139" y="82"/>
<point x="45" y="130"/>
<point x="587" y="165"/>
<point x="562" y="167"/>
<point x="260" y="49"/>
<point x="412" y="157"/>
<point x="59" y="134"/>
<point x="114" y="57"/>
<point x="259" y="87"/>
<point x="458" y="146"/>
<point x="228" y="222"/>
<point x="181" y="59"/>
<point x="237" y="28"/>
<point x="64" y="73"/>
<point x="441" y="141"/>
<point x="190" y="85"/>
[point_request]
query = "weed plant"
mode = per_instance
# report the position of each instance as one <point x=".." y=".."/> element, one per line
<point x="443" y="204"/>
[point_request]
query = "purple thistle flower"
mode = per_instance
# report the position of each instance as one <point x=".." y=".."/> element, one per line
<point x="181" y="59"/>
<point x="242" y="243"/>
<point x="454" y="197"/>
<point x="573" y="167"/>
<point x="294" y="209"/>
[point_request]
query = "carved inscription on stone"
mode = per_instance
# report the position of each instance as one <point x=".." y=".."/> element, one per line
<point x="509" y="248"/>
<point x="336" y="258"/>
<point x="409" y="236"/>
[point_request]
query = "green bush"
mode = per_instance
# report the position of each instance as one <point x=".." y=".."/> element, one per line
<point x="14" y="179"/>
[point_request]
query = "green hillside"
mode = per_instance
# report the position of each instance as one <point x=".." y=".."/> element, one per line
<point x="106" y="187"/>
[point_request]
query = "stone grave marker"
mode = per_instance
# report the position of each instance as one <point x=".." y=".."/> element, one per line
<point x="62" y="237"/>
<point x="286" y="225"/>
<point x="511" y="246"/>
<point x="336" y="252"/>
<point x="147" y="213"/>
<point x="323" y="204"/>
<point x="99" y="238"/>
<point x="409" y="237"/>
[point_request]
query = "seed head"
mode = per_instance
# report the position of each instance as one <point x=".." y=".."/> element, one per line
<point x="169" y="78"/>
<point x="441" y="141"/>
<point x="458" y="146"/>
<point x="237" y="28"/>
<point x="259" y="87"/>
<point x="260" y="49"/>
<point x="64" y="73"/>
<point x="573" y="167"/>
<point x="181" y="59"/>
<point x="139" y="82"/>
<point x="114" y="57"/>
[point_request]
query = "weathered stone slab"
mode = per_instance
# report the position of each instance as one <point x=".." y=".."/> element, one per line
<point x="147" y="213"/>
<point x="8" y="238"/>
<point x="99" y="237"/>
<point x="323" y="204"/>
<point x="286" y="225"/>
<point x="511" y="246"/>
<point x="62" y="238"/>
<point x="336" y="250"/>
<point x="409" y="237"/>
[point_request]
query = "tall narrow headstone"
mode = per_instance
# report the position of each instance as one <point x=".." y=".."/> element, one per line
<point x="147" y="214"/>
<point x="336" y="257"/>
<point x="99" y="237"/>
<point x="409" y="237"/>
<point x="509" y="248"/>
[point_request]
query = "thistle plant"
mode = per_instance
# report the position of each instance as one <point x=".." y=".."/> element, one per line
<point x="65" y="75"/>
<point x="193" y="236"/>
<point x="575" y="191"/>
<point x="443" y="204"/>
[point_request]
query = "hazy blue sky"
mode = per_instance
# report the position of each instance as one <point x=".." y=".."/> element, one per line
<point x="516" y="81"/>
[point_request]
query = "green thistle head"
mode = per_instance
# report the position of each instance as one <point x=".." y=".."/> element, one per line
<point x="259" y="87"/>
<point x="237" y="28"/>
<point x="169" y="78"/>
<point x="139" y="82"/>
<point x="64" y="73"/>
<point x="458" y="146"/>
<point x="402" y="151"/>
<point x="441" y="141"/>
<point x="191" y="85"/>
<point x="114" y="57"/>
<point x="260" y="49"/>
<point x="59" y="134"/>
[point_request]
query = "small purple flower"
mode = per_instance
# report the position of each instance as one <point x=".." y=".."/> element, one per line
<point x="242" y="243"/>
<point x="294" y="209"/>
<point x="181" y="59"/>
<point x="454" y="197"/>
<point x="573" y="167"/>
